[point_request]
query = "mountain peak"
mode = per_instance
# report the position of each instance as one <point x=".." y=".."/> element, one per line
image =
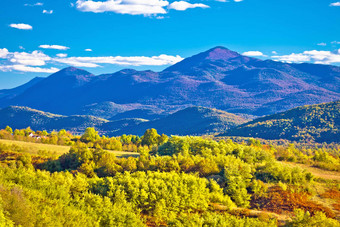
<point x="73" y="71"/>
<point x="220" y="53"/>
<point x="217" y="57"/>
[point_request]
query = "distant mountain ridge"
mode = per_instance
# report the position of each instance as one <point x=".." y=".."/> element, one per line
<point x="315" y="123"/>
<point x="22" y="117"/>
<point x="190" y="121"/>
<point x="218" y="78"/>
<point x="11" y="93"/>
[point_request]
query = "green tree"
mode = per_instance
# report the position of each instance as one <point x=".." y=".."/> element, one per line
<point x="90" y="135"/>
<point x="150" y="137"/>
<point x="237" y="175"/>
<point x="9" y="129"/>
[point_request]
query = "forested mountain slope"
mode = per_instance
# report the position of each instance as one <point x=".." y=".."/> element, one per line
<point x="23" y="117"/>
<point x="190" y="121"/>
<point x="319" y="123"/>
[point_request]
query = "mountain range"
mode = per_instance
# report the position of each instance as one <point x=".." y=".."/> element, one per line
<point x="218" y="78"/>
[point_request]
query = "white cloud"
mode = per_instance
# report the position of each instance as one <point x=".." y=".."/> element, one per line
<point x="21" y="26"/>
<point x="335" y="4"/>
<point x="322" y="44"/>
<point x="254" y="54"/>
<point x="315" y="56"/>
<point x="28" y="62"/>
<point x="74" y="61"/>
<point x="61" y="55"/>
<point x="55" y="47"/>
<point x="118" y="60"/>
<point x="36" y="58"/>
<point x="24" y="62"/>
<point x="21" y="48"/>
<point x="88" y="50"/>
<point x="238" y="0"/>
<point x="335" y="42"/>
<point x="47" y="11"/>
<point x="3" y="53"/>
<point x="182" y="5"/>
<point x="23" y="68"/>
<point x="274" y="52"/>
<point x="35" y="4"/>
<point x="132" y="7"/>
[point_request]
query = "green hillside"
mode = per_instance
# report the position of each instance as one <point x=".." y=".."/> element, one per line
<point x="23" y="117"/>
<point x="314" y="123"/>
<point x="190" y="121"/>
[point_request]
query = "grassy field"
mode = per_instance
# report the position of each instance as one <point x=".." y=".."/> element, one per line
<point x="58" y="150"/>
<point x="329" y="175"/>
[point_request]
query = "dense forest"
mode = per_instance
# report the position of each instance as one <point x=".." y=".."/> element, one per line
<point x="314" y="123"/>
<point x="170" y="181"/>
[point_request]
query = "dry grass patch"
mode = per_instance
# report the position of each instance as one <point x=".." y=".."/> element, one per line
<point x="284" y="201"/>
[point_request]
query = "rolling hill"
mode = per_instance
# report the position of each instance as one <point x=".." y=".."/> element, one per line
<point x="319" y="123"/>
<point x="217" y="78"/>
<point x="23" y="117"/>
<point x="190" y="121"/>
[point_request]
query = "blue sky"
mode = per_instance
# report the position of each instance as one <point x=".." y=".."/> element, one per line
<point x="40" y="37"/>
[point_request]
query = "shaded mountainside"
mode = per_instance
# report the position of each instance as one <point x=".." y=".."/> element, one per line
<point x="217" y="78"/>
<point x="190" y="121"/>
<point x="23" y="117"/>
<point x="11" y="93"/>
<point x="319" y="123"/>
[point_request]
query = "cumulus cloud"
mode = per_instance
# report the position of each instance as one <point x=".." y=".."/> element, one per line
<point x="21" y="26"/>
<point x="182" y="5"/>
<point x="35" y="4"/>
<point x="3" y="53"/>
<point x="55" y="47"/>
<point x="88" y="50"/>
<point x="74" y="61"/>
<point x="61" y="55"/>
<point x="132" y="7"/>
<point x="315" y="56"/>
<point x="47" y="11"/>
<point x="36" y="58"/>
<point x="135" y="7"/>
<point x="335" y="4"/>
<point x="24" y="62"/>
<point x="24" y="68"/>
<point x="118" y="60"/>
<point x="29" y="62"/>
<point x="254" y="54"/>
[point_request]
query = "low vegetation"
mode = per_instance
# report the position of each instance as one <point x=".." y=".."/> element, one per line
<point x="173" y="181"/>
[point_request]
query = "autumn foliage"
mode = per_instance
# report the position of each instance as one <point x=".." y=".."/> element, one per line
<point x="282" y="201"/>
